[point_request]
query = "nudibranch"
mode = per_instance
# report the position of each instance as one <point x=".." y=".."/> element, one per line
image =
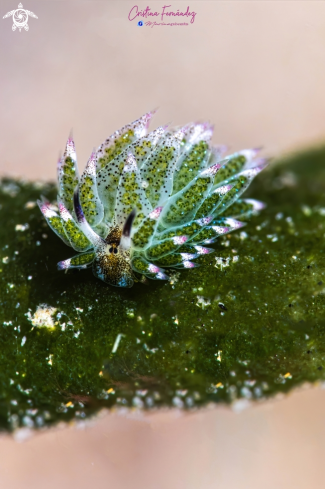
<point x="148" y="201"/>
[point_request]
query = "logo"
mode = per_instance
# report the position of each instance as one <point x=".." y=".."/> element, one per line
<point x="166" y="16"/>
<point x="20" y="18"/>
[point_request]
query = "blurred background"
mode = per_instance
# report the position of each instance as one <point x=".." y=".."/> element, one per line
<point x="257" y="71"/>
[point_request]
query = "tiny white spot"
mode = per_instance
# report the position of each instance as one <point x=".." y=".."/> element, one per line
<point x="117" y="342"/>
<point x="21" y="227"/>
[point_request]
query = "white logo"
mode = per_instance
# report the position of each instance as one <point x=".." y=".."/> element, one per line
<point x="20" y="18"/>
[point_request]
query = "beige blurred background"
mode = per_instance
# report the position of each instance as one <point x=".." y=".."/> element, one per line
<point x="257" y="70"/>
<point x="279" y="444"/>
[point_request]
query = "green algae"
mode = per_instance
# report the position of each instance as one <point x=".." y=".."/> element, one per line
<point x="248" y="323"/>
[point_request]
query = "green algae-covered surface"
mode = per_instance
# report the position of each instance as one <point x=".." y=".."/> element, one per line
<point x="247" y="324"/>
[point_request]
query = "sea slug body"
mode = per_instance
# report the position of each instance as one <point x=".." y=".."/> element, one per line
<point x="149" y="201"/>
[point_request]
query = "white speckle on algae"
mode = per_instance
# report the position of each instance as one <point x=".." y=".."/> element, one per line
<point x="10" y="189"/>
<point x="245" y="392"/>
<point x="177" y="402"/>
<point x="130" y="312"/>
<point x="218" y="355"/>
<point x="21" y="227"/>
<point x="181" y="393"/>
<point x="141" y="392"/>
<point x="43" y="316"/>
<point x="201" y="302"/>
<point x="222" y="262"/>
<point x="30" y="205"/>
<point x="306" y="210"/>
<point x="173" y="278"/>
<point x="117" y="342"/>
<point x="137" y="402"/>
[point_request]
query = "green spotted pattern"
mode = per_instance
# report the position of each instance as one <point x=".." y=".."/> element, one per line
<point x="186" y="249"/>
<point x="170" y="260"/>
<point x="130" y="195"/>
<point x="190" y="229"/>
<point x="88" y="199"/>
<point x="82" y="259"/>
<point x="77" y="239"/>
<point x="144" y="147"/>
<point x="109" y="177"/>
<point x="239" y="208"/>
<point x="68" y="179"/>
<point x="159" y="180"/>
<point x="230" y="168"/>
<point x="141" y="150"/>
<point x="56" y="224"/>
<point x="206" y="233"/>
<point x="160" y="249"/>
<point x="210" y="205"/>
<point x="185" y="203"/>
<point x="107" y="182"/>
<point x="190" y="166"/>
<point x="139" y="264"/>
<point x="143" y="235"/>
<point x="220" y="221"/>
<point x="116" y="148"/>
<point x="152" y="276"/>
<point x="158" y="168"/>
<point x="240" y="183"/>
